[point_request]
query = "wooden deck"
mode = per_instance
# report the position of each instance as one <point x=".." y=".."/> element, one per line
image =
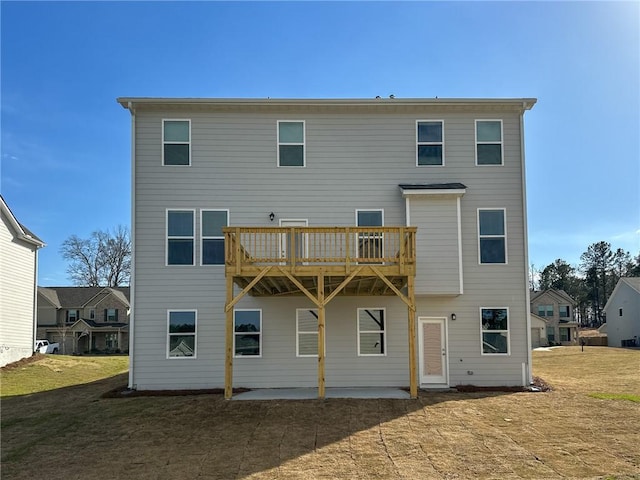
<point x="359" y="254"/>
<point x="320" y="263"/>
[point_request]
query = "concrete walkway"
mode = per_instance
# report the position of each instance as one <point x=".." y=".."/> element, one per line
<point x="312" y="393"/>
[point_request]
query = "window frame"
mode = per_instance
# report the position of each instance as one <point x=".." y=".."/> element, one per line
<point x="504" y="235"/>
<point x="164" y="142"/>
<point x="361" y="237"/>
<point x="182" y="334"/>
<point x="240" y="333"/>
<point x="419" y="143"/>
<point x="192" y="238"/>
<point x="115" y="315"/>
<point x="203" y="237"/>
<point x="501" y="142"/>
<point x="560" y="307"/>
<point x="315" y="332"/>
<point x="507" y="331"/>
<point x="383" y="332"/>
<point x="68" y="320"/>
<point x="303" y="143"/>
<point x="547" y="308"/>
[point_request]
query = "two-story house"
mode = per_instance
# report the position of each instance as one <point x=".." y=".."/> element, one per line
<point x="556" y="307"/>
<point x="85" y="319"/>
<point x="18" y="276"/>
<point x="328" y="243"/>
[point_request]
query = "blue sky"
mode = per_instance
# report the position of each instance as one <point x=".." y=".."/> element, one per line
<point x="66" y="142"/>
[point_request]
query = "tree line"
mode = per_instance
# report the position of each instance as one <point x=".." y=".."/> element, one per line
<point x="591" y="282"/>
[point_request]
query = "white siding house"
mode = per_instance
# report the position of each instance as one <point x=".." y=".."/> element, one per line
<point x="623" y="313"/>
<point x="18" y="276"/>
<point x="337" y="243"/>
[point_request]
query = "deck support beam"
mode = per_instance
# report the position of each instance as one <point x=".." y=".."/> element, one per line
<point x="411" y="311"/>
<point x="321" y="307"/>
<point x="228" y="363"/>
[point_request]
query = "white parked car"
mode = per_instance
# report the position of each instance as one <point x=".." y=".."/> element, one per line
<point x="43" y="346"/>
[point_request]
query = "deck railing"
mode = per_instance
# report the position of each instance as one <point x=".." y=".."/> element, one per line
<point x="316" y="246"/>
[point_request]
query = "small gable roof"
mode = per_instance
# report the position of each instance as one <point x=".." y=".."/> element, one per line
<point x="631" y="282"/>
<point x="558" y="294"/>
<point x="22" y="232"/>
<point x="78" y="297"/>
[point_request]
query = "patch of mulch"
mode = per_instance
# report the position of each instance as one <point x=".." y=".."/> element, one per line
<point x="25" y="361"/>
<point x="538" y="385"/>
<point x="124" y="392"/>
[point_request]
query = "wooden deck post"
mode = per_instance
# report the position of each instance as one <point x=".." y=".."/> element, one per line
<point x="228" y="363"/>
<point x="321" y="335"/>
<point x="413" y="383"/>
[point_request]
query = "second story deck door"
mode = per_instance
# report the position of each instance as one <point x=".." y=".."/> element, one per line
<point x="291" y="244"/>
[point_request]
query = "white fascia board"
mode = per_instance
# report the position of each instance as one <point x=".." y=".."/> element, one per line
<point x="416" y="192"/>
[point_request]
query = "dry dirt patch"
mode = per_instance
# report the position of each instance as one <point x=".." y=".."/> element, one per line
<point x="564" y="433"/>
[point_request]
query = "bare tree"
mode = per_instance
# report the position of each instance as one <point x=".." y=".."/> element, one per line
<point x="103" y="259"/>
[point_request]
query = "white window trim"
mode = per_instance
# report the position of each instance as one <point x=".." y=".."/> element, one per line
<point x="236" y="333"/>
<point x="203" y="237"/>
<point x="176" y="143"/>
<point x="501" y="142"/>
<point x="418" y="143"/>
<point x="304" y="144"/>
<point x="384" y="332"/>
<point x="195" y="333"/>
<point x="508" y="332"/>
<point x="298" y="333"/>
<point x="166" y="236"/>
<point x="506" y="250"/>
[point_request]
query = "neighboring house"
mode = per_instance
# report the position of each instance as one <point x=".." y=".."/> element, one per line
<point x="18" y="279"/>
<point x="623" y="313"/>
<point x="85" y="319"/>
<point x="557" y="308"/>
<point x="328" y="243"/>
<point x="538" y="331"/>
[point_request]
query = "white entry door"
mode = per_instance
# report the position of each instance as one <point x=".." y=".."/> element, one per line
<point x="301" y="240"/>
<point x="432" y="341"/>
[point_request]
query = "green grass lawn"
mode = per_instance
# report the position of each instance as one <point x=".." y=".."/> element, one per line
<point x="51" y="372"/>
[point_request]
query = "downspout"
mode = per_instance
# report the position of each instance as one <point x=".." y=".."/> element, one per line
<point x="133" y="247"/>
<point x="529" y="369"/>
<point x="35" y="301"/>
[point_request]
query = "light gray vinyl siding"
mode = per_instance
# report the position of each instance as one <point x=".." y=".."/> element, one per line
<point x="436" y="217"/>
<point x="17" y="290"/>
<point x="625" y="326"/>
<point x="353" y="161"/>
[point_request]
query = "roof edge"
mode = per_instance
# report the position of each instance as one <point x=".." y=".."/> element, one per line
<point x="127" y="102"/>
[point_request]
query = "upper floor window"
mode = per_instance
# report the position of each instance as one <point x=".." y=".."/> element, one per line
<point x="430" y="148"/>
<point x="92" y="314"/>
<point x="371" y="331"/>
<point x="370" y="242"/>
<point x="495" y="330"/>
<point x="492" y="238"/>
<point x="72" y="316"/>
<point x="291" y="139"/>
<point x="181" y="335"/>
<point x="545" y="310"/>
<point x="111" y="314"/>
<point x="180" y="237"/>
<point x="489" y="142"/>
<point x="211" y="224"/>
<point x="564" y="311"/>
<point x="176" y="142"/>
